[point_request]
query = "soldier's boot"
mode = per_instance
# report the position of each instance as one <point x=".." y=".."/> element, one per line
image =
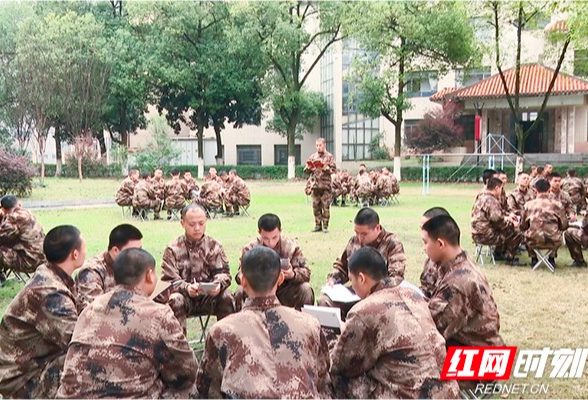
<point x="325" y="229"/>
<point x="169" y="215"/>
<point x="317" y="228"/>
<point x="579" y="264"/>
<point x="534" y="261"/>
<point x="552" y="261"/>
<point x="2" y="279"/>
<point x="156" y="215"/>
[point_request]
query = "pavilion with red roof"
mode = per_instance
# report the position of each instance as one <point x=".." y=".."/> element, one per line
<point x="564" y="124"/>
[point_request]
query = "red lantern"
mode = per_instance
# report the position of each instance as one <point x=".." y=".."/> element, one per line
<point x="477" y="128"/>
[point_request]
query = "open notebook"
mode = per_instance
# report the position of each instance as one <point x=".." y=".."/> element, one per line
<point x="329" y="317"/>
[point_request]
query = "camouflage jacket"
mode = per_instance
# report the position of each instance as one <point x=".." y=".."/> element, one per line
<point x="265" y="351"/>
<point x="125" y="345"/>
<point x="95" y="278"/>
<point x="189" y="186"/>
<point x="286" y="248"/>
<point x="565" y="201"/>
<point x="21" y="231"/>
<point x="36" y="329"/>
<point x="144" y="194"/>
<point x="488" y="216"/>
<point x="212" y="192"/>
<point x="238" y="189"/>
<point x="158" y="186"/>
<point x="390" y="348"/>
<point x="518" y="198"/>
<point x="124" y="195"/>
<point x="364" y="185"/>
<point x="462" y="305"/>
<point x="336" y="183"/>
<point x="175" y="194"/>
<point x="429" y="277"/>
<point x="576" y="189"/>
<point x="321" y="177"/>
<point x="389" y="247"/>
<point x="384" y="185"/>
<point x="203" y="261"/>
<point x="543" y="222"/>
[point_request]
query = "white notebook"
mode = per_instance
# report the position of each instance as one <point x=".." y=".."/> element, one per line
<point x="329" y="317"/>
<point x="340" y="294"/>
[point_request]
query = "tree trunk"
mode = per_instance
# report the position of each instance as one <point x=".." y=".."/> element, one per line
<point x="219" y="145"/>
<point x="102" y="144"/>
<point x="41" y="143"/>
<point x="292" y="145"/>
<point x="520" y="135"/>
<point x="398" y="124"/>
<point x="200" y="137"/>
<point x="58" y="162"/>
<point x="80" y="177"/>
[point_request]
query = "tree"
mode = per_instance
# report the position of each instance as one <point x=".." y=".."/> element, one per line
<point x="160" y="151"/>
<point x="402" y="38"/>
<point x="438" y="130"/>
<point x="521" y="15"/>
<point x="283" y="32"/>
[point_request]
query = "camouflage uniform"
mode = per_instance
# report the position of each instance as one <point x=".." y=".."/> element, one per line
<point x="490" y="225"/>
<point x="124" y="195"/>
<point x="265" y="351"/>
<point x="158" y="186"/>
<point x="395" y="186"/>
<point x="95" y="278"/>
<point x="577" y="239"/>
<point x="321" y="191"/>
<point x="383" y="186"/>
<point x="174" y="195"/>
<point x="125" y="345"/>
<point x="237" y="194"/>
<point x="543" y="223"/>
<point x="429" y="277"/>
<point x="390" y="348"/>
<point x="518" y="198"/>
<point x="210" y="195"/>
<point x="21" y="242"/>
<point x="203" y="261"/>
<point x="575" y="188"/>
<point x="144" y="197"/>
<point x="190" y="187"/>
<point x="364" y="188"/>
<point x="295" y="292"/>
<point x="565" y="201"/>
<point x="35" y="332"/>
<point x="337" y="188"/>
<point x="389" y="247"/>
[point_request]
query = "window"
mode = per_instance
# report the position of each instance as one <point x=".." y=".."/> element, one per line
<point x="581" y="63"/>
<point x="467" y="77"/>
<point x="358" y="132"/>
<point x="327" y="120"/>
<point x="421" y="84"/>
<point x="249" y="155"/>
<point x="281" y="154"/>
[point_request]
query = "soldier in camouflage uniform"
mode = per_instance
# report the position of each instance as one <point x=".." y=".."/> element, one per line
<point x="321" y="189"/>
<point x="575" y="188"/>
<point x="194" y="258"/>
<point x="364" y="188"/>
<point x="384" y="186"/>
<point x="124" y="195"/>
<point x="461" y="305"/>
<point x="158" y="185"/>
<point x="38" y="323"/>
<point x="492" y="225"/>
<point x="211" y="194"/>
<point x="368" y="232"/>
<point x="517" y="199"/>
<point x="556" y="193"/>
<point x="190" y="186"/>
<point x="96" y="277"/>
<point x="543" y="222"/>
<point x="337" y="188"/>
<point x="144" y="197"/>
<point x="21" y="239"/>
<point x="125" y="345"/>
<point x="266" y="350"/>
<point x="430" y="272"/>
<point x="577" y="239"/>
<point x="395" y="186"/>
<point x="237" y="194"/>
<point x="540" y="174"/>
<point x="388" y="320"/>
<point x="295" y="291"/>
<point x="174" y="193"/>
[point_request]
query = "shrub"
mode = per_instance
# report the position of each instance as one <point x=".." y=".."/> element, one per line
<point x="16" y="174"/>
<point x="160" y="151"/>
<point x="437" y="130"/>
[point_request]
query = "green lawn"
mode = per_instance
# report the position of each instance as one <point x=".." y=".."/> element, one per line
<point x="538" y="309"/>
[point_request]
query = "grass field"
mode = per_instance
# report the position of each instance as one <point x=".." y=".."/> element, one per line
<point x="537" y="309"/>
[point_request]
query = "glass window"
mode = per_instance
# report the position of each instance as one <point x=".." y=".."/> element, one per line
<point x="410" y="126"/>
<point x="467" y="77"/>
<point x="281" y="154"/>
<point x="249" y="155"/>
<point x="421" y="84"/>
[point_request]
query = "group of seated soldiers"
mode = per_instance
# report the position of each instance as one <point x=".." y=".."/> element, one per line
<point x="222" y="192"/>
<point x="98" y="333"/>
<point x="368" y="188"/>
<point x="536" y="214"/>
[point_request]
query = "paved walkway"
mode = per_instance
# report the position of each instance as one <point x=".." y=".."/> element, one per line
<point x="64" y="204"/>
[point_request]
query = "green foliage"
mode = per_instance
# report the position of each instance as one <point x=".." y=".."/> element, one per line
<point x="16" y="174"/>
<point x="310" y="105"/>
<point x="92" y="169"/>
<point x="160" y="151"/>
<point x="377" y="150"/>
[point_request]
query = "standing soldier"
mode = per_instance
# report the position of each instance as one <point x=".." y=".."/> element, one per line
<point x="295" y="291"/>
<point x="556" y="193"/>
<point x="520" y="196"/>
<point x="144" y="197"/>
<point x="174" y="193"/>
<point x="124" y="195"/>
<point x="125" y="345"/>
<point x="158" y="185"/>
<point x="190" y="186"/>
<point x="21" y="239"/>
<point x="195" y="258"/>
<point x="38" y="323"/>
<point x="237" y="194"/>
<point x="575" y="188"/>
<point x="266" y="350"/>
<point x="97" y="275"/>
<point x="320" y="166"/>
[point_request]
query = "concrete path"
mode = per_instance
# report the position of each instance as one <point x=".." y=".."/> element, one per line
<point x="64" y="204"/>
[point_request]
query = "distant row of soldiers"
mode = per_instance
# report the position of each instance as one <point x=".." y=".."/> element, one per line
<point x="144" y="192"/>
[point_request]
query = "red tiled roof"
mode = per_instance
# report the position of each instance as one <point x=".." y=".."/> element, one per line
<point x="535" y="81"/>
<point x="443" y="93"/>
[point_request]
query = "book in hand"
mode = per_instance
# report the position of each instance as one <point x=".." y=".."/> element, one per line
<point x="208" y="287"/>
<point x="340" y="294"/>
<point x="329" y="317"/>
<point x="164" y="289"/>
<point x="315" y="164"/>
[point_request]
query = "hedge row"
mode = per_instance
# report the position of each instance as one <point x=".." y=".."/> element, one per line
<point x="96" y="171"/>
